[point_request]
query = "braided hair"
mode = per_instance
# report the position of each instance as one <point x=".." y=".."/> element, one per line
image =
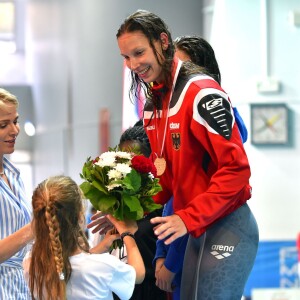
<point x="57" y="212"/>
<point x="137" y="134"/>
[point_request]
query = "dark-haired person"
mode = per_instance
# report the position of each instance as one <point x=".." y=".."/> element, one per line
<point x="136" y="138"/>
<point x="169" y="258"/>
<point x="197" y="50"/>
<point x="197" y="149"/>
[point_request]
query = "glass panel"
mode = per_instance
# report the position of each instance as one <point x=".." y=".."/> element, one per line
<point x="7" y="20"/>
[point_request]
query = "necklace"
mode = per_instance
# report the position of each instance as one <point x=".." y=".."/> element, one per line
<point x="160" y="162"/>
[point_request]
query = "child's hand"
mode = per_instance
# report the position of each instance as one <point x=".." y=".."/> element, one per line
<point x="123" y="226"/>
<point x="107" y="241"/>
<point x="109" y="238"/>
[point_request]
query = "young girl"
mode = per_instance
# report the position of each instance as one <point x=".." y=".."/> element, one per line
<point x="61" y="265"/>
<point x="197" y="149"/>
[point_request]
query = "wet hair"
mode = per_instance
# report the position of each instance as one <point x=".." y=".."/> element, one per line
<point x="152" y="26"/>
<point x="7" y="98"/>
<point x="137" y="134"/>
<point x="57" y="214"/>
<point x="201" y="53"/>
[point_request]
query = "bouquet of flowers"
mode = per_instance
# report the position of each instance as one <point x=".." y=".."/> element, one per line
<point x="121" y="184"/>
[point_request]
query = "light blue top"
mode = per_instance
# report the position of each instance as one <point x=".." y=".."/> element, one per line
<point x="15" y="212"/>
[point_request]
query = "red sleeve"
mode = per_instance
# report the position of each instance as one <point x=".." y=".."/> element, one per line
<point x="228" y="186"/>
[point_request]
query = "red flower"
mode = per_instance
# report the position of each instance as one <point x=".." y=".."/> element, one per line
<point x="142" y="164"/>
<point x="96" y="160"/>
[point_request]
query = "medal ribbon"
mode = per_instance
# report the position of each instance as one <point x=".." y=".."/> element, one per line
<point x="161" y="135"/>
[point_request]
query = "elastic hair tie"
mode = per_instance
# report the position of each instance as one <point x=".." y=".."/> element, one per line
<point x="61" y="276"/>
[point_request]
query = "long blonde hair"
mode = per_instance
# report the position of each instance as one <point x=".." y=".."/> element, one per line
<point x="57" y="212"/>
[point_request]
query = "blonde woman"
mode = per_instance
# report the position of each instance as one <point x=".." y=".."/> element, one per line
<point x="15" y="210"/>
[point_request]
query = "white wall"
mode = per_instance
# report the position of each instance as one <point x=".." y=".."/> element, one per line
<point x="75" y="69"/>
<point x="238" y="39"/>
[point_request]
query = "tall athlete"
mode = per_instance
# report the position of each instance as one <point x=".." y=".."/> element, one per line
<point x="200" y="157"/>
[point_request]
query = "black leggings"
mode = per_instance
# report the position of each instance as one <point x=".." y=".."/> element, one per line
<point x="217" y="264"/>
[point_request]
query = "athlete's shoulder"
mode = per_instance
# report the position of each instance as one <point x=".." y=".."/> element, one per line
<point x="215" y="112"/>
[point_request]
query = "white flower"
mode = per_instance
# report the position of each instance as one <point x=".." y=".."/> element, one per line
<point x="108" y="161"/>
<point x="108" y="154"/>
<point x="123" y="168"/>
<point x="122" y="154"/>
<point x="151" y="176"/>
<point x="114" y="174"/>
<point x="112" y="186"/>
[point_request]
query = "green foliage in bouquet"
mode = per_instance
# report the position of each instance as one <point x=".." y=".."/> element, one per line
<point x="121" y="184"/>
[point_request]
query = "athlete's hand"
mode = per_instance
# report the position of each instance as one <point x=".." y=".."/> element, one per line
<point x="100" y="223"/>
<point x="171" y="227"/>
<point x="123" y="226"/>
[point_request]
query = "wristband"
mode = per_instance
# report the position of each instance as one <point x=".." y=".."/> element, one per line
<point x="127" y="233"/>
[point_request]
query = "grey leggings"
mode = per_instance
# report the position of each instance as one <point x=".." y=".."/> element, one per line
<point x="217" y="264"/>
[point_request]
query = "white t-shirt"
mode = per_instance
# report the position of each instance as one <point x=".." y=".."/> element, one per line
<point x="96" y="276"/>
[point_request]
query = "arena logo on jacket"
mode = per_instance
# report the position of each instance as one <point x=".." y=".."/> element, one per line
<point x="216" y="111"/>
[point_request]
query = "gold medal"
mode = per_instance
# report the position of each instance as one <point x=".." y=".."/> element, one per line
<point x="160" y="164"/>
<point x="161" y="129"/>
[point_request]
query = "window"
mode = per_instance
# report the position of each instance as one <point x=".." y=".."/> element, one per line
<point x="7" y="27"/>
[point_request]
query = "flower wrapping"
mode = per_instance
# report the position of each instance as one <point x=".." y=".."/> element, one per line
<point x="121" y="184"/>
